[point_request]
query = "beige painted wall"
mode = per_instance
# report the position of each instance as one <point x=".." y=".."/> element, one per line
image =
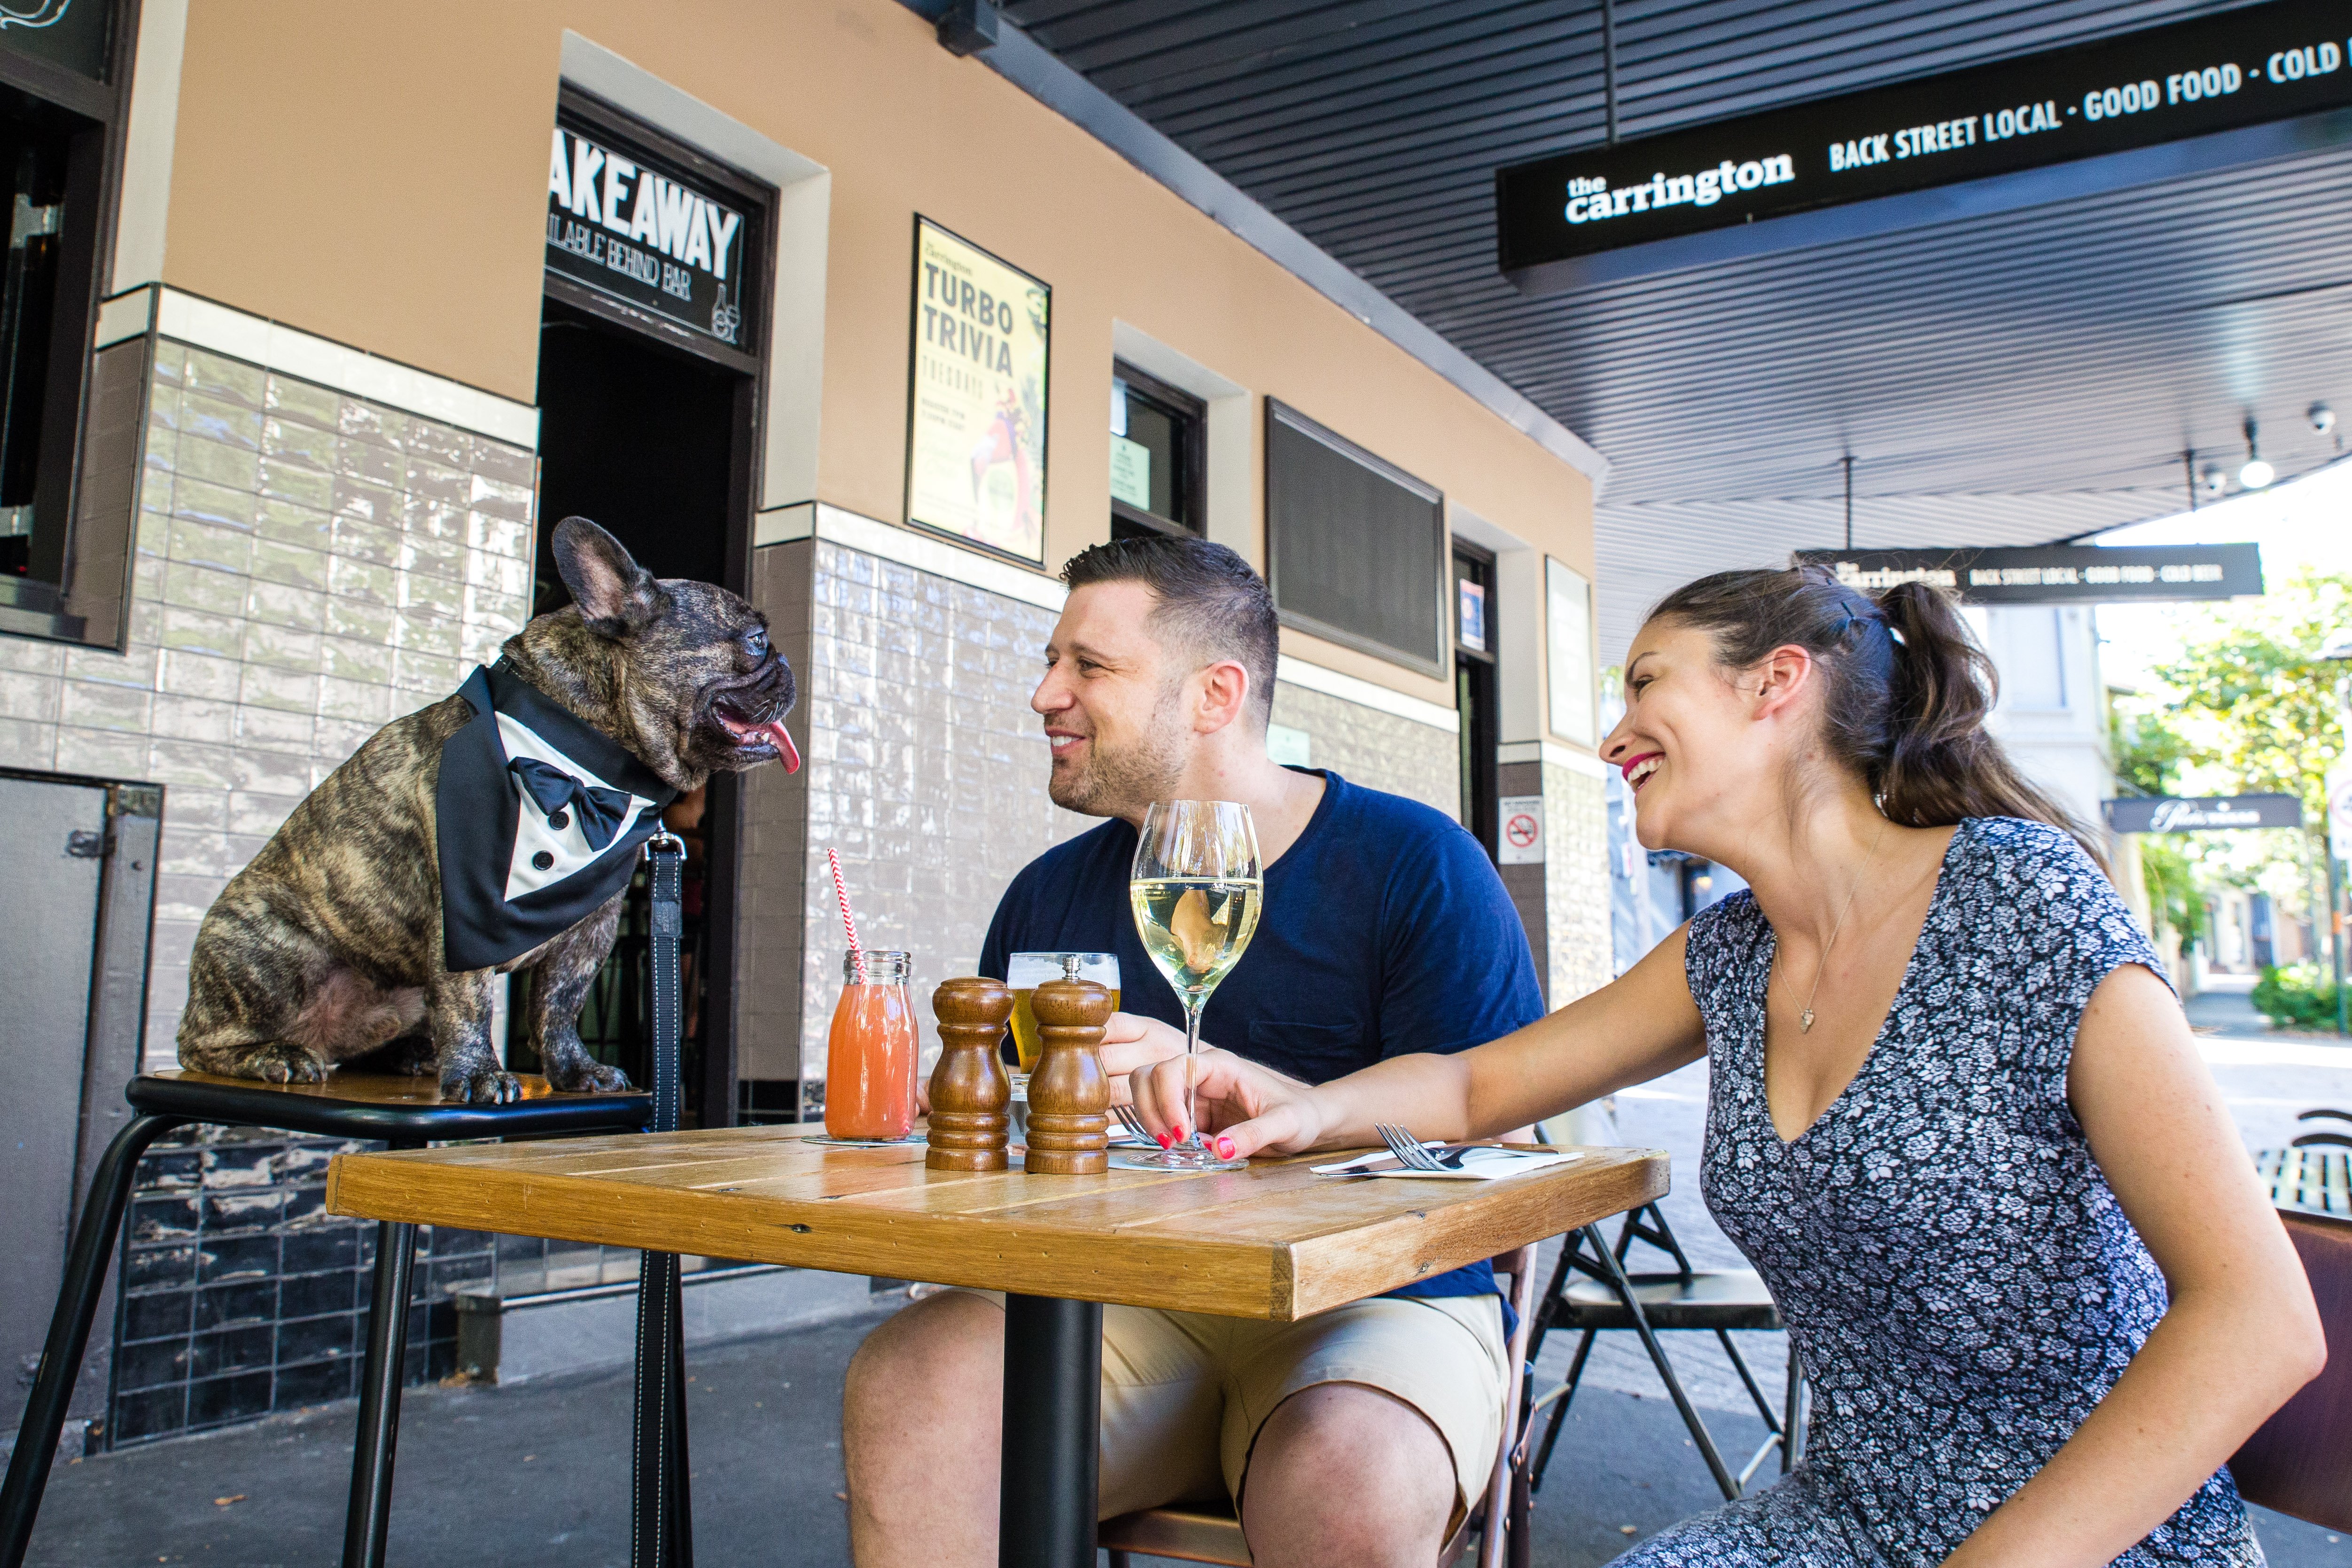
<point x="377" y="175"/>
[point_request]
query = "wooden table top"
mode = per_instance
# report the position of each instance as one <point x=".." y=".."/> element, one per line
<point x="1272" y="1241"/>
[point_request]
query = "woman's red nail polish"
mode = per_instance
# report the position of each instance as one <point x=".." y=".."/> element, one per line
<point x="1224" y="1148"/>
<point x="1165" y="1142"/>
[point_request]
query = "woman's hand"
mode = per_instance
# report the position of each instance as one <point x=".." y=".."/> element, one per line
<point x="1244" y="1108"/>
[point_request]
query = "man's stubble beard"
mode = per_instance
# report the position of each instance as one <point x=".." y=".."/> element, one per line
<point x="1123" y="782"/>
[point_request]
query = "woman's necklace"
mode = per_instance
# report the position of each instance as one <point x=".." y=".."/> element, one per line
<point x="1805" y="1018"/>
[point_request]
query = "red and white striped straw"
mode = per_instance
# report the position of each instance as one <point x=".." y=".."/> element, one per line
<point x="848" y="922"/>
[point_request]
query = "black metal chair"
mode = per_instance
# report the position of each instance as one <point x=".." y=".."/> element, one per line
<point x="405" y="1112"/>
<point x="1591" y="1291"/>
<point x="2326" y="1136"/>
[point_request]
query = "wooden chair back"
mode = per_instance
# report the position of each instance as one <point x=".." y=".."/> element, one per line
<point x="2299" y="1462"/>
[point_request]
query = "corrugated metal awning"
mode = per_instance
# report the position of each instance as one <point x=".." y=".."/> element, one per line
<point x="2003" y="380"/>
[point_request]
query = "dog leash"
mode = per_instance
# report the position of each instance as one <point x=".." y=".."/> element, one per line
<point x="661" y="1533"/>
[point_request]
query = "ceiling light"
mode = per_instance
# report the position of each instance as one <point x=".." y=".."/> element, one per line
<point x="2256" y="475"/>
<point x="2322" y="418"/>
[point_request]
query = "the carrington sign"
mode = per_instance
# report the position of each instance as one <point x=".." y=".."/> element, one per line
<point x="631" y="225"/>
<point x="2057" y="573"/>
<point x="2204" y="94"/>
<point x="2176" y="814"/>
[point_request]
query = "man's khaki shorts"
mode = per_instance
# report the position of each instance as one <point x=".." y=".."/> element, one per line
<point x="1185" y="1394"/>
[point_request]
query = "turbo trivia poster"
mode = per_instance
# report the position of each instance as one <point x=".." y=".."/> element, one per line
<point x="976" y="423"/>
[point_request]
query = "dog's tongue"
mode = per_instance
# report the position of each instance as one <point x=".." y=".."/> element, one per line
<point x="785" y="750"/>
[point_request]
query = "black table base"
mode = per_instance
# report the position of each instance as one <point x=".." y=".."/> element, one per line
<point x="367" y="1518"/>
<point x="1053" y="1421"/>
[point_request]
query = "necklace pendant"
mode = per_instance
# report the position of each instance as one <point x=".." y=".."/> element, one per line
<point x="1805" y="1021"/>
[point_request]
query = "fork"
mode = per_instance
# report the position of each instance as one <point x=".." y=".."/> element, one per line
<point x="1132" y="1122"/>
<point x="1406" y="1148"/>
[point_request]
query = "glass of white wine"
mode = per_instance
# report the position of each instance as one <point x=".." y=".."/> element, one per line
<point x="1196" y="887"/>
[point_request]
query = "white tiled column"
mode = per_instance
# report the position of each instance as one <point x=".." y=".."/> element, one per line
<point x="310" y="565"/>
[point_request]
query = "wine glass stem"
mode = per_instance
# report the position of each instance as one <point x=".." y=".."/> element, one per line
<point x="1193" y="1002"/>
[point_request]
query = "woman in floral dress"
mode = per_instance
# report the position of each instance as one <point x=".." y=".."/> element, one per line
<point x="1957" y="1119"/>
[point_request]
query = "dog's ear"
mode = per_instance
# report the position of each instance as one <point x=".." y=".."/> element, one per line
<point x="617" y="598"/>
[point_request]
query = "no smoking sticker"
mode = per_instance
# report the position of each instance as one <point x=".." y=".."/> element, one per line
<point x="1522" y="831"/>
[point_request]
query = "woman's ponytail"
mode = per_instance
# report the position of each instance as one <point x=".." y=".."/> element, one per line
<point x="1906" y="688"/>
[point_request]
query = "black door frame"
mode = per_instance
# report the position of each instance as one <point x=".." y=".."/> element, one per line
<point x="1476" y="677"/>
<point x="723" y="821"/>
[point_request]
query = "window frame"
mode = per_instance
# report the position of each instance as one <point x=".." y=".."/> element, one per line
<point x="1192" y="467"/>
<point x="43" y="605"/>
<point x="1435" y="662"/>
<point x="1481" y="736"/>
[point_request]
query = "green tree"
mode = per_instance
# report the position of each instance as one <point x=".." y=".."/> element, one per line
<point x="2172" y="896"/>
<point x="2256" y="669"/>
<point x="2149" y="751"/>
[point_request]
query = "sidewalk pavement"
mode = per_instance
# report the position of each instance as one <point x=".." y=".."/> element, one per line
<point x="536" y="1477"/>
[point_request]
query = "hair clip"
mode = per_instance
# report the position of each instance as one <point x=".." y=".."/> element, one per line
<point x="1896" y="632"/>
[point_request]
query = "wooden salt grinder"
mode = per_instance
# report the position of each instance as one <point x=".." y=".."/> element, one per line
<point x="1069" y="1096"/>
<point x="970" y="1122"/>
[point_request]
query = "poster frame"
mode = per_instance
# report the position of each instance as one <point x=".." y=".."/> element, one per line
<point x="1046" y="391"/>
<point x="1555" y="646"/>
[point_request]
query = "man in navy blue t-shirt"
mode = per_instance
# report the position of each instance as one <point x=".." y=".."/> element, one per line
<point x="1361" y="1434"/>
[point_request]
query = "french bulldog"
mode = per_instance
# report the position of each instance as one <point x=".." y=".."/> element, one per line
<point x="331" y="945"/>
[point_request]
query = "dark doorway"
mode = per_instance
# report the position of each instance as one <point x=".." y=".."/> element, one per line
<point x="655" y="445"/>
<point x="637" y="438"/>
<point x="652" y="339"/>
<point x="1474" y="689"/>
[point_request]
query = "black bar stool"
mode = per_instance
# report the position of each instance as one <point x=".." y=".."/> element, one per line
<point x="406" y="1113"/>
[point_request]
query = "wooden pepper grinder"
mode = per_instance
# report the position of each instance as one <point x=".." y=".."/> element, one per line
<point x="970" y="1124"/>
<point x="1069" y="1096"/>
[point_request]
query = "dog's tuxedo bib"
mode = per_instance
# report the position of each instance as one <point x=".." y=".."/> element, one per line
<point x="538" y="821"/>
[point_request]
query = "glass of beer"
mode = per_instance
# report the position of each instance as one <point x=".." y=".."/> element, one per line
<point x="869" y="1059"/>
<point x="1025" y="972"/>
<point x="1196" y="886"/>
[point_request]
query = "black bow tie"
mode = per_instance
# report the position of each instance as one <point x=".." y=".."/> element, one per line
<point x="600" y="811"/>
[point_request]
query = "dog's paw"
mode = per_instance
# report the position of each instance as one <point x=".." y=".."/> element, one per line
<point x="280" y="1061"/>
<point x="589" y="1077"/>
<point x="484" y="1086"/>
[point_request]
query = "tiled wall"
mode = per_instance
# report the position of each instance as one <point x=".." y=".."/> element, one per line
<point x="926" y="770"/>
<point x="241" y="1295"/>
<point x="310" y="565"/>
<point x="1380" y="750"/>
<point x="1576" y="883"/>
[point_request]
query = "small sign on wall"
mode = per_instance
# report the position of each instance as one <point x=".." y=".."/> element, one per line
<point x="1288" y="746"/>
<point x="1471" y="618"/>
<point x="1519" y="840"/>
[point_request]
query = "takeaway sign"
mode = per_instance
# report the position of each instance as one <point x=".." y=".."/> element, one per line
<point x="635" y="227"/>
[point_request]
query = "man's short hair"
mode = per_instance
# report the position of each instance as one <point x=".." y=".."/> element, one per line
<point x="1211" y="605"/>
